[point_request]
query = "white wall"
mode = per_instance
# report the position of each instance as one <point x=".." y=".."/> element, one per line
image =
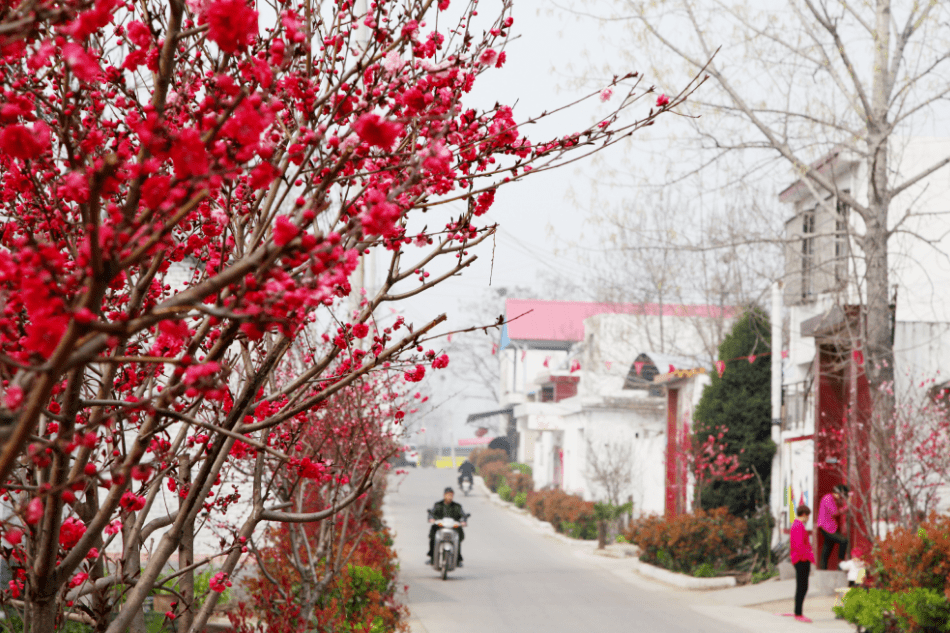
<point x="640" y="427"/>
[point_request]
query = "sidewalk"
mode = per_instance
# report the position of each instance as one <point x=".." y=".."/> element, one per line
<point x="749" y="607"/>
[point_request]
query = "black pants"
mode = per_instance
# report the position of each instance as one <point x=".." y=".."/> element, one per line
<point x="435" y="528"/>
<point x="830" y="539"/>
<point x="802" y="569"/>
<point x="464" y="477"/>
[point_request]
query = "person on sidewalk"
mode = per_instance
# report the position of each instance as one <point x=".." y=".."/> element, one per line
<point x="830" y="514"/>
<point x="802" y="557"/>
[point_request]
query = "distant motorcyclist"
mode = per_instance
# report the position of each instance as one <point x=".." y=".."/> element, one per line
<point x="467" y="469"/>
<point x="442" y="509"/>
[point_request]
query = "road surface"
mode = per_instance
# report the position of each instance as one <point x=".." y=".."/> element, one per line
<point x="516" y="579"/>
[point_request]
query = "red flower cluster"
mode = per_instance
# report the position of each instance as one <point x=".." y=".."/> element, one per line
<point x="70" y="532"/>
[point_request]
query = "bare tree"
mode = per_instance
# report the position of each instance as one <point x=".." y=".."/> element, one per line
<point x="610" y="466"/>
<point x="817" y="79"/>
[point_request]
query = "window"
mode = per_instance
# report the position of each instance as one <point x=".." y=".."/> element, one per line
<point x="808" y="253"/>
<point x="547" y="393"/>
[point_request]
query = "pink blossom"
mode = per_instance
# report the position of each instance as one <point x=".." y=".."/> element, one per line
<point x="78" y="579"/>
<point x="441" y="362"/>
<point x="196" y="373"/>
<point x="488" y="56"/>
<point x="416" y="374"/>
<point x="24" y="142"/>
<point x="360" y="330"/>
<point x="70" y="532"/>
<point x="662" y="100"/>
<point x="606" y="94"/>
<point x="219" y="582"/>
<point x="13" y="397"/>
<point x="393" y="62"/>
<point x="284" y="230"/>
<point x="113" y="528"/>
<point x="232" y="24"/>
<point x="34" y="511"/>
<point x="131" y="501"/>
<point x="375" y="130"/>
<point x="13" y="536"/>
<point x="84" y="66"/>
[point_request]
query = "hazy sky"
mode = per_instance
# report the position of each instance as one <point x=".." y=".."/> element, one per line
<point x="539" y="217"/>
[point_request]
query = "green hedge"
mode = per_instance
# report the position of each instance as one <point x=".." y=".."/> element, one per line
<point x="881" y="611"/>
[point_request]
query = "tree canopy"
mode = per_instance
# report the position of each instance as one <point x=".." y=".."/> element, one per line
<point x="738" y="403"/>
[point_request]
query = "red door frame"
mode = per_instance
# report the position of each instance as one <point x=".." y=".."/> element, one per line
<point x="673" y="491"/>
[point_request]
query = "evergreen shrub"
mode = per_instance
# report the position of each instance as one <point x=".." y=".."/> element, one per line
<point x="685" y="542"/>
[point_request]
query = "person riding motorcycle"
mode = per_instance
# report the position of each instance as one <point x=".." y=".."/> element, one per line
<point x="446" y="508"/>
<point x="467" y="469"/>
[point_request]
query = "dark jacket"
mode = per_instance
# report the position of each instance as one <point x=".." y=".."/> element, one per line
<point x="467" y="469"/>
<point x="453" y="510"/>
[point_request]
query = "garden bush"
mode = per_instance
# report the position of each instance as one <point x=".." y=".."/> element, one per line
<point x="504" y="492"/>
<point x="519" y="482"/>
<point x="520" y="499"/>
<point x="569" y="514"/>
<point x="483" y="457"/>
<point x="521" y="468"/>
<point x="494" y="474"/>
<point x="687" y="541"/>
<point x="880" y="611"/>
<point x="906" y="559"/>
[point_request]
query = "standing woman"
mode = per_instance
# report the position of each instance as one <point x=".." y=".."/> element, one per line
<point x="802" y="557"/>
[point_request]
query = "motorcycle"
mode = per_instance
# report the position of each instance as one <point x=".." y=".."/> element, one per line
<point x="465" y="483"/>
<point x="446" y="550"/>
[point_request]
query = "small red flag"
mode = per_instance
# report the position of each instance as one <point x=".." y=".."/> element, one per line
<point x="720" y="367"/>
<point x="638" y="366"/>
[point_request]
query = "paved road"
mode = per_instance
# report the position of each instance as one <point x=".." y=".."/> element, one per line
<point x="516" y="579"/>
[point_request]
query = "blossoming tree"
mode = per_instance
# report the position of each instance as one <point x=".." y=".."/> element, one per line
<point x="185" y="198"/>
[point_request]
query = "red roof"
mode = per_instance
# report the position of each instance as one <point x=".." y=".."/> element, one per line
<point x="564" y="320"/>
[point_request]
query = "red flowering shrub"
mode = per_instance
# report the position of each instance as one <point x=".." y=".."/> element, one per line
<point x="907" y="558"/>
<point x="683" y="543"/>
<point x="494" y="474"/>
<point x="567" y="513"/>
<point x="519" y="482"/>
<point x="482" y="456"/>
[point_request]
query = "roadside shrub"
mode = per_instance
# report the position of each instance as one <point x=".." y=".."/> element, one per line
<point x="880" y="611"/>
<point x="504" y="492"/>
<point x="521" y="498"/>
<point x="494" y="473"/>
<point x="569" y="514"/>
<point x="687" y="541"/>
<point x="521" y="468"/>
<point x="906" y="559"/>
<point x="483" y="457"/>
<point x="705" y="570"/>
<point x="583" y="531"/>
<point x="519" y="482"/>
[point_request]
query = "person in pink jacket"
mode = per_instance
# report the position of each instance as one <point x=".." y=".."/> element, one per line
<point x="802" y="557"/>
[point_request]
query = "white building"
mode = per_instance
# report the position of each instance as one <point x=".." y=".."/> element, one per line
<point x="578" y="379"/>
<point x="822" y="377"/>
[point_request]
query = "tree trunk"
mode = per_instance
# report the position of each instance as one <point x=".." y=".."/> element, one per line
<point x="132" y="568"/>
<point x="186" y="555"/>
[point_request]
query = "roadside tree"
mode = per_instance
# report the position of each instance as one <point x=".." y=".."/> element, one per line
<point x="734" y="415"/>
<point x="185" y="199"/>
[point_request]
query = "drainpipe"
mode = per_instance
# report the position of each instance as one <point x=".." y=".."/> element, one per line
<point x="776" y="483"/>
